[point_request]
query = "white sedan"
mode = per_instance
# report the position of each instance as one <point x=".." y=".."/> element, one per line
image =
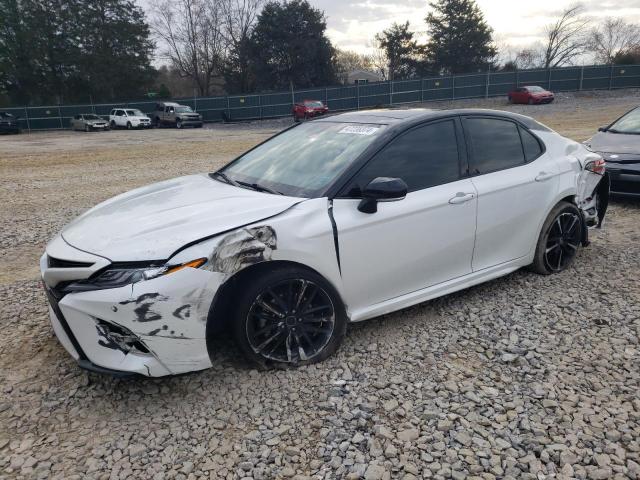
<point x="332" y="221"/>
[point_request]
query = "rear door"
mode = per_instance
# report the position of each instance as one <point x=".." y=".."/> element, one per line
<point x="426" y="238"/>
<point x="516" y="181"/>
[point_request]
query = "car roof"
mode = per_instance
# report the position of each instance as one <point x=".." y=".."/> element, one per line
<point x="418" y="115"/>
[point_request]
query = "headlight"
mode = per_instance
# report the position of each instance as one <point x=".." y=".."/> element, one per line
<point x="120" y="276"/>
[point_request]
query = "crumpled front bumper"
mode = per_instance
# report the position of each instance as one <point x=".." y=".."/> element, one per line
<point x="153" y="328"/>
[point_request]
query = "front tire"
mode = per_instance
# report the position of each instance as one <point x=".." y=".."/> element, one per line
<point x="288" y="317"/>
<point x="559" y="240"/>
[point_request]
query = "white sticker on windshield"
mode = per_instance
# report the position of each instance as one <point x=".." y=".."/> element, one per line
<point x="359" y="130"/>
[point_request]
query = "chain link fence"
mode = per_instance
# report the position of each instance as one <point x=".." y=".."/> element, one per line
<point x="357" y="96"/>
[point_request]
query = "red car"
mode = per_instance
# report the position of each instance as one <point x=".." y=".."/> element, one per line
<point x="309" y="109"/>
<point x="531" y="95"/>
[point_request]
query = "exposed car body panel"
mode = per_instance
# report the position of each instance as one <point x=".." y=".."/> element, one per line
<point x="152" y="222"/>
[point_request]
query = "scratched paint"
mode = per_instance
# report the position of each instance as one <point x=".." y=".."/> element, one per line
<point x="242" y="248"/>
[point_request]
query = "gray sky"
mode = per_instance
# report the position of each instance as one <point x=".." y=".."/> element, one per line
<point x="352" y="24"/>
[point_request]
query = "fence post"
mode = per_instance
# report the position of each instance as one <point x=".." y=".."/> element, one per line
<point x="453" y="87"/>
<point x="422" y="89"/>
<point x="610" y="77"/>
<point x="326" y="96"/>
<point x="517" y="78"/>
<point x="260" y="104"/>
<point x="60" y="117"/>
<point x="581" y="78"/>
<point x="486" y="88"/>
<point x="228" y="110"/>
<point x="26" y="116"/>
<point x="549" y="80"/>
<point x="391" y="92"/>
<point x="358" y="93"/>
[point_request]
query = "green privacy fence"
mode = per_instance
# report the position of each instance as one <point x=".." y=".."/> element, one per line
<point x="355" y="97"/>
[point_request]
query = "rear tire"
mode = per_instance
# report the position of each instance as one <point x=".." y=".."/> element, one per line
<point x="86" y="128"/>
<point x="113" y="125"/>
<point x="129" y="126"/>
<point x="268" y="329"/>
<point x="559" y="240"/>
<point x="178" y="123"/>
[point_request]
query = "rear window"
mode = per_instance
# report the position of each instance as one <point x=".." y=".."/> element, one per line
<point x="532" y="148"/>
<point x="496" y="144"/>
<point x="314" y="104"/>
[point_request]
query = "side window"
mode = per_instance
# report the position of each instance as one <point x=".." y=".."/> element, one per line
<point x="532" y="148"/>
<point x="495" y="144"/>
<point x="113" y="112"/>
<point x="423" y="157"/>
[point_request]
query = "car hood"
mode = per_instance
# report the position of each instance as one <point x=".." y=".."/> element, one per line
<point x="152" y="222"/>
<point x="620" y="143"/>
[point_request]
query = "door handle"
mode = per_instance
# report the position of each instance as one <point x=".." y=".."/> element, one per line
<point x="543" y="176"/>
<point x="461" y="197"/>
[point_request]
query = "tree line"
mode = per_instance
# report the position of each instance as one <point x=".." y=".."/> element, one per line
<point x="103" y="50"/>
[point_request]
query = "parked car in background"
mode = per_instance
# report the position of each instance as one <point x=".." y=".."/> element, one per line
<point x="128" y="118"/>
<point x="176" y="115"/>
<point x="275" y="245"/>
<point x="88" y="122"/>
<point x="309" y="109"/>
<point x="619" y="144"/>
<point x="532" y="95"/>
<point x="9" y="123"/>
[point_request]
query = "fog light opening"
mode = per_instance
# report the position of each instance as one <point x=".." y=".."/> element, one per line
<point x="120" y="338"/>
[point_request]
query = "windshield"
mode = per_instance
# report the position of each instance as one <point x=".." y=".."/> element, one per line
<point x="183" y="109"/>
<point x="629" y="123"/>
<point x="304" y="160"/>
<point x="535" y="89"/>
<point x="135" y="113"/>
<point x="314" y="104"/>
<point x="92" y="117"/>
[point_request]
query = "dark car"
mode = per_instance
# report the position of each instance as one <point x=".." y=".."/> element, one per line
<point x="619" y="145"/>
<point x="533" y="95"/>
<point x="309" y="109"/>
<point x="8" y="123"/>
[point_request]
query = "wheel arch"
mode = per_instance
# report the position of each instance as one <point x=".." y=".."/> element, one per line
<point x="219" y="311"/>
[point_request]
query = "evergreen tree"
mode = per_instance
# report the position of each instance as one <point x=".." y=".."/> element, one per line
<point x="72" y="50"/>
<point x="290" y="47"/>
<point x="401" y="50"/>
<point x="460" y="39"/>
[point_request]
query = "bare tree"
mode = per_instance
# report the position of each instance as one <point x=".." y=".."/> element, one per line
<point x="240" y="17"/>
<point x="191" y="38"/>
<point x="379" y="60"/>
<point x="612" y="37"/>
<point x="529" y="58"/>
<point x="567" y="38"/>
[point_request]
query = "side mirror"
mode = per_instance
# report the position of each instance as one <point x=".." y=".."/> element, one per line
<point x="381" y="189"/>
<point x="602" y="129"/>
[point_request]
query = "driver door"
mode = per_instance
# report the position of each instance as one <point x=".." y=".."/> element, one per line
<point x="417" y="242"/>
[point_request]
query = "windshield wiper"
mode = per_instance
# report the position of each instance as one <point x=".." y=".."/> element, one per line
<point x="260" y="188"/>
<point x="224" y="177"/>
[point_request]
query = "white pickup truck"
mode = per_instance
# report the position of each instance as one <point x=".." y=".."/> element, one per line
<point x="128" y="118"/>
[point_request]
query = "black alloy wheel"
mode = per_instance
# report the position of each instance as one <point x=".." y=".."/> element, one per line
<point x="291" y="321"/>
<point x="563" y="241"/>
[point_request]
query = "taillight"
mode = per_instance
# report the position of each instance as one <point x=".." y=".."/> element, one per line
<point x="596" y="166"/>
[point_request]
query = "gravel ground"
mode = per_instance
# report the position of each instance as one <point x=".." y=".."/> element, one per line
<point x="522" y="377"/>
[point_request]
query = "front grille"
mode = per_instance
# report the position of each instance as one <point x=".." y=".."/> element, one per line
<point x="59" y="263"/>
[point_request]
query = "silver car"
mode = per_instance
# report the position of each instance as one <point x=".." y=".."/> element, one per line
<point x="88" y="122"/>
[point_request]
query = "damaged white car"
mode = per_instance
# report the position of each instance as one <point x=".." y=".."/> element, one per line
<point x="333" y="221"/>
